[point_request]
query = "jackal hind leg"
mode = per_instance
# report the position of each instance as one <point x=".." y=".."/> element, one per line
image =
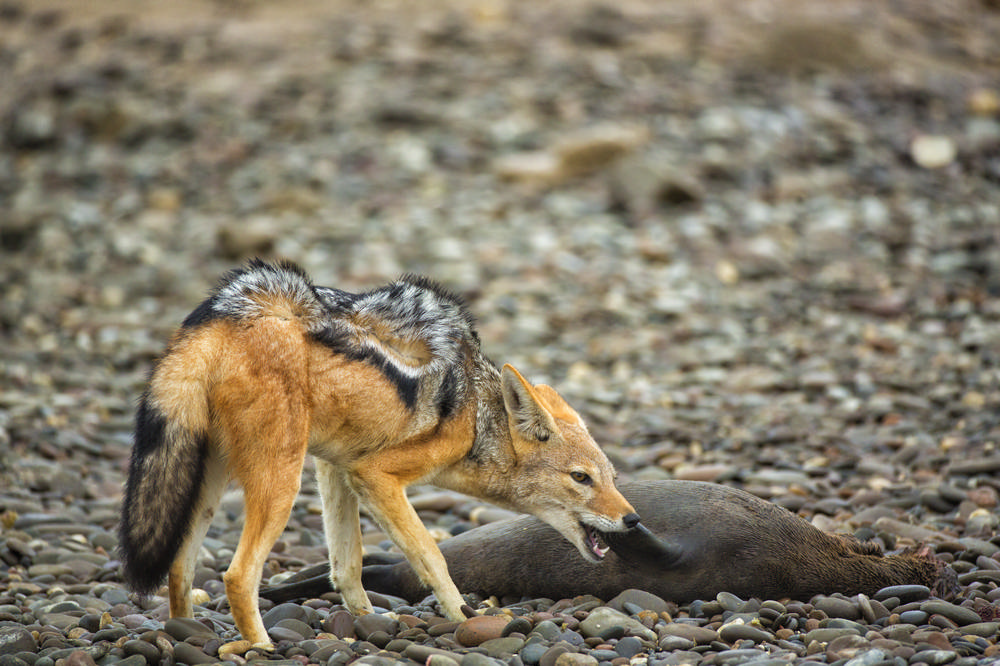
<point x="181" y="575"/>
<point x="386" y="498"/>
<point x="270" y="473"/>
<point x="342" y="526"/>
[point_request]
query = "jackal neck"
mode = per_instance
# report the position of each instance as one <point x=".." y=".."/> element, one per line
<point x="484" y="470"/>
<point x="491" y="443"/>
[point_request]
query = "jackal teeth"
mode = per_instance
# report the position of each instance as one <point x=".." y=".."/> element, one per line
<point x="593" y="543"/>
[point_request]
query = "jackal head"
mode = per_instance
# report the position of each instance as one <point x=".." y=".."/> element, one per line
<point x="561" y="475"/>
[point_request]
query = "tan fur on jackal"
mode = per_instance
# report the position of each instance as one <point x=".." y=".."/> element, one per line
<point x="384" y="389"/>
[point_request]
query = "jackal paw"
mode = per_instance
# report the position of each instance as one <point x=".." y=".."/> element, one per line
<point x="240" y="648"/>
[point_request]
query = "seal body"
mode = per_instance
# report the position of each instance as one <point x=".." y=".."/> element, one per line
<point x="703" y="539"/>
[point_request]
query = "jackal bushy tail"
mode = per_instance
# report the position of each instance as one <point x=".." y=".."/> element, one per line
<point x="164" y="481"/>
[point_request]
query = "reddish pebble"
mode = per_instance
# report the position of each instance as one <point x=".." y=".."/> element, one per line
<point x="479" y="629"/>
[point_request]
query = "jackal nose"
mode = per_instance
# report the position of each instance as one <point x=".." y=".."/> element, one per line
<point x="631" y="520"/>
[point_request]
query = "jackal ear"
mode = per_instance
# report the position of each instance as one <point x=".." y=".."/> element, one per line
<point x="525" y="409"/>
<point x="555" y="404"/>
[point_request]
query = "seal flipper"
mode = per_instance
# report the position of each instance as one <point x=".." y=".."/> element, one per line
<point x="321" y="569"/>
<point x="640" y="547"/>
<point x="303" y="588"/>
<point x="314" y="581"/>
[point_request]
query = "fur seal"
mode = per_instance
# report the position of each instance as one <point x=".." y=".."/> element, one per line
<point x="702" y="539"/>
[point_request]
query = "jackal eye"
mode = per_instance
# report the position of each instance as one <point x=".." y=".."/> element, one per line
<point x="581" y="477"/>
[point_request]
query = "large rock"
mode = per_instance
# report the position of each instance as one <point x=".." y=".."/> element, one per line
<point x="602" y="618"/>
<point x="16" y="639"/>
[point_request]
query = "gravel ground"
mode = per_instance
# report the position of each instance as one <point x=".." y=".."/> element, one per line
<point x="755" y="243"/>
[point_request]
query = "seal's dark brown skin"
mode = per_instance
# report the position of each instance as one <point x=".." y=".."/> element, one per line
<point x="703" y="539"/>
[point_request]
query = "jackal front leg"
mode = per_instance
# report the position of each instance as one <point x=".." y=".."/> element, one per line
<point x="342" y="526"/>
<point x="385" y="497"/>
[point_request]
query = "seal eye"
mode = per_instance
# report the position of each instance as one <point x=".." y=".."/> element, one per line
<point x="581" y="477"/>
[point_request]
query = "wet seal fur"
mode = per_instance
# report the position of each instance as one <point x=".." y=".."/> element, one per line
<point x="702" y="539"/>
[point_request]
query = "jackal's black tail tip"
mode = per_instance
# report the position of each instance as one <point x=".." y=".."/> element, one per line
<point x="143" y="580"/>
<point x="164" y="481"/>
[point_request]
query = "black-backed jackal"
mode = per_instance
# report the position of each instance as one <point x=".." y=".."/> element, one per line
<point x="384" y="389"/>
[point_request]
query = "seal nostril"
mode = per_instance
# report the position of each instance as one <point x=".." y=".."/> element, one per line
<point x="631" y="520"/>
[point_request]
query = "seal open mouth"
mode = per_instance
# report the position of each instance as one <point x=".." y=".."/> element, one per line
<point x="593" y="543"/>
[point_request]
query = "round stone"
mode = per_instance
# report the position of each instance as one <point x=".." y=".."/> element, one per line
<point x="865" y="606"/>
<point x="836" y="607"/>
<point x="185" y="653"/>
<point x="846" y="647"/>
<point x="671" y="643"/>
<point x="629" y="646"/>
<point x="826" y="635"/>
<point x="285" y="612"/>
<point x="603" y="617"/>
<point x="441" y="660"/>
<point x="960" y="615"/>
<point x="697" y="635"/>
<point x="932" y="151"/>
<point x="148" y="651"/>
<point x="547" y="629"/>
<point x="532" y="653"/>
<point x="729" y="602"/>
<point x="641" y="599"/>
<point x="575" y="659"/>
<point x="182" y="628"/>
<point x="502" y="647"/>
<point x="913" y="617"/>
<point x="905" y="593"/>
<point x="550" y="656"/>
<point x="481" y="628"/>
<point x="16" y="639"/>
<point x="367" y="624"/>
<point x="339" y="623"/>
<point x="936" y="657"/>
<point x="984" y="629"/>
<point x="298" y="626"/>
<point x="278" y="634"/>
<point x="739" y="631"/>
<point x="520" y="625"/>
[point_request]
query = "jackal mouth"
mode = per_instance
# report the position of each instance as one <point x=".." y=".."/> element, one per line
<point x="594" y="541"/>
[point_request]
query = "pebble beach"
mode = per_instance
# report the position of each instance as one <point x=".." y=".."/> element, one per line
<point x="755" y="244"/>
